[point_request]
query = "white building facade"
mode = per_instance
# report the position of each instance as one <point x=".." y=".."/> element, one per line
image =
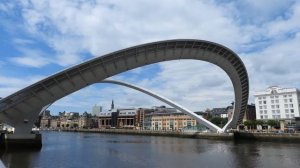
<point x="96" y="110"/>
<point x="277" y="103"/>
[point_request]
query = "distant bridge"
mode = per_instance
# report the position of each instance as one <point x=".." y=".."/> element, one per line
<point x="22" y="108"/>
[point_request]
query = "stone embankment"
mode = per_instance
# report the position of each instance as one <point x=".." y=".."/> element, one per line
<point x="279" y="137"/>
<point x="270" y="137"/>
<point x="183" y="134"/>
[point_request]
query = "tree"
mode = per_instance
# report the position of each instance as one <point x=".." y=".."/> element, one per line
<point x="260" y="122"/>
<point x="75" y="125"/>
<point x="219" y="121"/>
<point x="273" y="123"/>
<point x="250" y="123"/>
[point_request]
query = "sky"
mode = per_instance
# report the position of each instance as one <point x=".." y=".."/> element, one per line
<point x="40" y="37"/>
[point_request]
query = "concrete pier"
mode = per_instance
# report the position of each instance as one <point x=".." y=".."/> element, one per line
<point x="17" y="141"/>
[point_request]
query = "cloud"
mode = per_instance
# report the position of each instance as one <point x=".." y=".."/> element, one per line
<point x="99" y="27"/>
<point x="21" y="41"/>
<point x="31" y="58"/>
<point x="264" y="33"/>
<point x="9" y="85"/>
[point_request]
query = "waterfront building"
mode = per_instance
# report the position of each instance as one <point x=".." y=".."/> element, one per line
<point x="250" y="113"/>
<point x="118" y="118"/>
<point x="96" y="110"/>
<point x="104" y="120"/>
<point x="55" y="122"/>
<point x="170" y="121"/>
<point x="219" y="112"/>
<point x="84" y="120"/>
<point x="141" y="122"/>
<point x="163" y="118"/>
<point x="277" y="103"/>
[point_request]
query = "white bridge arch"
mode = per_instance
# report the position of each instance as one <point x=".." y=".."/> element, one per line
<point x="198" y="118"/>
<point x="21" y="108"/>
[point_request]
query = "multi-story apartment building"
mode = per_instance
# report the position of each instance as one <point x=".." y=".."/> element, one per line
<point x="277" y="103"/>
<point x="170" y="121"/>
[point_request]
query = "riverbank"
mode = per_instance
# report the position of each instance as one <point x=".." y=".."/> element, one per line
<point x="182" y="134"/>
<point x="269" y="137"/>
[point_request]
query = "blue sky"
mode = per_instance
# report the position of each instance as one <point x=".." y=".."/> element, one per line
<point x="41" y="37"/>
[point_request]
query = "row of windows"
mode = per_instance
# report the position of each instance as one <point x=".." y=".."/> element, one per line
<point x="276" y="106"/>
<point x="272" y="97"/>
<point x="276" y="111"/>
<point x="264" y="117"/>
<point x="277" y="116"/>
<point x="286" y="105"/>
<point x="275" y="101"/>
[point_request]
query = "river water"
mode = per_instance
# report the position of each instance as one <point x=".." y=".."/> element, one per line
<point x="68" y="149"/>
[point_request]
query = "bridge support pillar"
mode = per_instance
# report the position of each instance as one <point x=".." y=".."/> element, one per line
<point x="21" y="141"/>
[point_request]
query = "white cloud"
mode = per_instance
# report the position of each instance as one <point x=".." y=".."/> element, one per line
<point x="31" y="58"/>
<point x="98" y="27"/>
<point x="21" y="41"/>
<point x="264" y="33"/>
<point x="9" y="85"/>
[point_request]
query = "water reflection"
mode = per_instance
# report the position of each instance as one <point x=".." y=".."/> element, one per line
<point x="65" y="149"/>
<point x="16" y="158"/>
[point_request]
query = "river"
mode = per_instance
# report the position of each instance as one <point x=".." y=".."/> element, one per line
<point x="69" y="149"/>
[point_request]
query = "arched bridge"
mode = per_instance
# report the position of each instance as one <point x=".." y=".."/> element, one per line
<point x="198" y="118"/>
<point x="21" y="108"/>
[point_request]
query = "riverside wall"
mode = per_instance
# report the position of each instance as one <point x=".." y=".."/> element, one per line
<point x="182" y="134"/>
<point x="269" y="137"/>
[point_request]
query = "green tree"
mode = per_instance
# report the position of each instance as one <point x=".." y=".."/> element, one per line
<point x="219" y="121"/>
<point x="250" y="124"/>
<point x="260" y="122"/>
<point x="273" y="123"/>
<point x="75" y="125"/>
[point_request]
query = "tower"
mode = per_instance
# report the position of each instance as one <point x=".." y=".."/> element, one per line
<point x="112" y="104"/>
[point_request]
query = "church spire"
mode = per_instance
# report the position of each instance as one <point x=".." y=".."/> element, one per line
<point x="112" y="104"/>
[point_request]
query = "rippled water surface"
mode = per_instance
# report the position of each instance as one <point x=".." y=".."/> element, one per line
<point x="66" y="149"/>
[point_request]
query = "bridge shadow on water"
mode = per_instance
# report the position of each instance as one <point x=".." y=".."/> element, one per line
<point x="18" y="157"/>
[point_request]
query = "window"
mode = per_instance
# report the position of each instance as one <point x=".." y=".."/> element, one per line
<point x="276" y="96"/>
<point x="265" y="111"/>
<point x="286" y="106"/>
<point x="291" y="105"/>
<point x="261" y="117"/>
<point x="278" y="111"/>
<point x="264" y="97"/>
<point x="277" y="106"/>
<point x="287" y="116"/>
<point x="285" y="100"/>
<point x="272" y="97"/>
<point x="260" y="111"/>
<point x="291" y="100"/>
<point x="266" y="117"/>
<point x="260" y="107"/>
<point x="259" y="102"/>
<point x="292" y="110"/>
<point x="272" y="101"/>
<point x="286" y="110"/>
<point x="273" y="106"/>
<point x="277" y="101"/>
<point x="284" y="95"/>
<point x="265" y="106"/>
<point x="290" y="95"/>
<point x="259" y="98"/>
<point x="273" y="111"/>
<point x="265" y="102"/>
<point x="292" y="115"/>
